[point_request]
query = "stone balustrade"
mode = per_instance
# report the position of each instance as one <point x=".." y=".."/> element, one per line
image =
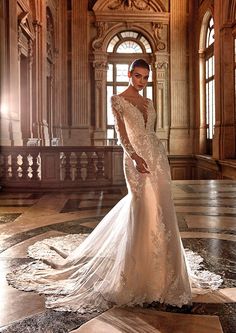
<point x="48" y="168"/>
<point x="60" y="167"/>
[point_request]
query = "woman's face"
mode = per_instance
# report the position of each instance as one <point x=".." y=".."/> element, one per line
<point x="139" y="78"/>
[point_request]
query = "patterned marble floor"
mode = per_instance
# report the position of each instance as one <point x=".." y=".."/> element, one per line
<point x="206" y="212"/>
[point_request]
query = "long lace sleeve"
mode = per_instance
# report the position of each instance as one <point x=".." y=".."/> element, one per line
<point x="120" y="127"/>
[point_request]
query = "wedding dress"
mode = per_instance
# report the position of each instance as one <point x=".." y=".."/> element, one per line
<point x="135" y="254"/>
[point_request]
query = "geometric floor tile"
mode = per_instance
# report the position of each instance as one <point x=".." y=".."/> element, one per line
<point x="150" y="321"/>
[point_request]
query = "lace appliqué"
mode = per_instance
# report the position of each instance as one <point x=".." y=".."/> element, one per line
<point x="200" y="277"/>
<point x="120" y="126"/>
<point x="159" y="236"/>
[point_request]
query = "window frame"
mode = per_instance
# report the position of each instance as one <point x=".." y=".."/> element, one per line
<point x="209" y="104"/>
<point x="115" y="58"/>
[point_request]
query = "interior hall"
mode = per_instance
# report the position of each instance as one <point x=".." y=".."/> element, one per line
<point x="61" y="164"/>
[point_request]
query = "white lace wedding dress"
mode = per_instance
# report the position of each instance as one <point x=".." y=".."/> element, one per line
<point x="135" y="254"/>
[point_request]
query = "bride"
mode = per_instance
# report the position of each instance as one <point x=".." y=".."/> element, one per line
<point x="135" y="254"/>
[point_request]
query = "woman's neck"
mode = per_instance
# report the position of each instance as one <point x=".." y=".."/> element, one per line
<point x="132" y="92"/>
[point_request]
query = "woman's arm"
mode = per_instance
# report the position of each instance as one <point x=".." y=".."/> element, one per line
<point x="120" y="128"/>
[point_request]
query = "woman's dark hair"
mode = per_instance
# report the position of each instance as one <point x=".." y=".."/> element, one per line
<point x="139" y="63"/>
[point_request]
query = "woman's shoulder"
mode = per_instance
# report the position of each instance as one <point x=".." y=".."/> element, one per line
<point x="116" y="99"/>
<point x="116" y="103"/>
<point x="113" y="97"/>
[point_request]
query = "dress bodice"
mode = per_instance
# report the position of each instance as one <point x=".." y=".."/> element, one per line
<point x="133" y="117"/>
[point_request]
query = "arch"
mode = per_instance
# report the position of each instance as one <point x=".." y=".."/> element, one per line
<point x="122" y="27"/>
<point x="134" y="37"/>
<point x="206" y="84"/>
<point x="203" y="31"/>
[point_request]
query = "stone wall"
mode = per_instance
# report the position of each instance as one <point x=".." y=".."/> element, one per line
<point x="54" y="61"/>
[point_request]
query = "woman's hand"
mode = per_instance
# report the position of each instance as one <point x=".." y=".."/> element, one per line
<point x="140" y="164"/>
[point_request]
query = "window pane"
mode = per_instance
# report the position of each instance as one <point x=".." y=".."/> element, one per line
<point x="213" y="108"/>
<point x="211" y="37"/>
<point x="207" y="72"/>
<point x="150" y="76"/>
<point x="235" y="50"/>
<point x="122" y="73"/>
<point x="146" y="44"/>
<point x="120" y="89"/>
<point x="210" y="67"/>
<point x="110" y="118"/>
<point x="129" y="47"/>
<point x="210" y="108"/>
<point x="110" y="73"/>
<point x="210" y="33"/>
<point x="207" y="103"/>
<point x="131" y="34"/>
<point x="110" y="133"/>
<point x="112" y="43"/>
<point x="211" y="23"/>
<point x="149" y="92"/>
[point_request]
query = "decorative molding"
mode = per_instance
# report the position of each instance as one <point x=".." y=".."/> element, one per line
<point x="100" y="71"/>
<point x="102" y="28"/>
<point x="101" y="65"/>
<point x="130" y="4"/>
<point x="161" y="65"/>
<point x="157" y="28"/>
<point x="26" y="24"/>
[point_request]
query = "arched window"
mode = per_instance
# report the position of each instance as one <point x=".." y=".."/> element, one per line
<point x="210" y="84"/>
<point x="122" y="50"/>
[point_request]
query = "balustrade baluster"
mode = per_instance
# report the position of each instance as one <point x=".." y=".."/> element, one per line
<point x="100" y="165"/>
<point x="4" y="166"/>
<point x="78" y="167"/>
<point x="25" y="166"/>
<point x="91" y="174"/>
<point x="7" y="166"/>
<point x="14" y="166"/>
<point x="34" y="166"/>
<point x="67" y="166"/>
<point x="2" y="171"/>
<point x="55" y="167"/>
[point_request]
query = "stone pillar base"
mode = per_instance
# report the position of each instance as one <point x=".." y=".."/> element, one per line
<point x="33" y="142"/>
<point x="11" y="133"/>
<point x="99" y="138"/>
<point x="75" y="137"/>
<point x="180" y="142"/>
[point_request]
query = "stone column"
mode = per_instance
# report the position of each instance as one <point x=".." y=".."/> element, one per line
<point x="6" y="138"/>
<point x="79" y="132"/>
<point x="40" y="125"/>
<point x="61" y="109"/>
<point x="225" y="132"/>
<point x="100" y="71"/>
<point x="202" y="108"/>
<point x="180" y="142"/>
<point x="37" y="79"/>
<point x="13" y="76"/>
<point x="162" y="106"/>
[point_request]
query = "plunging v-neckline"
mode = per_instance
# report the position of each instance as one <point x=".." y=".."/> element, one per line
<point x="135" y="106"/>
